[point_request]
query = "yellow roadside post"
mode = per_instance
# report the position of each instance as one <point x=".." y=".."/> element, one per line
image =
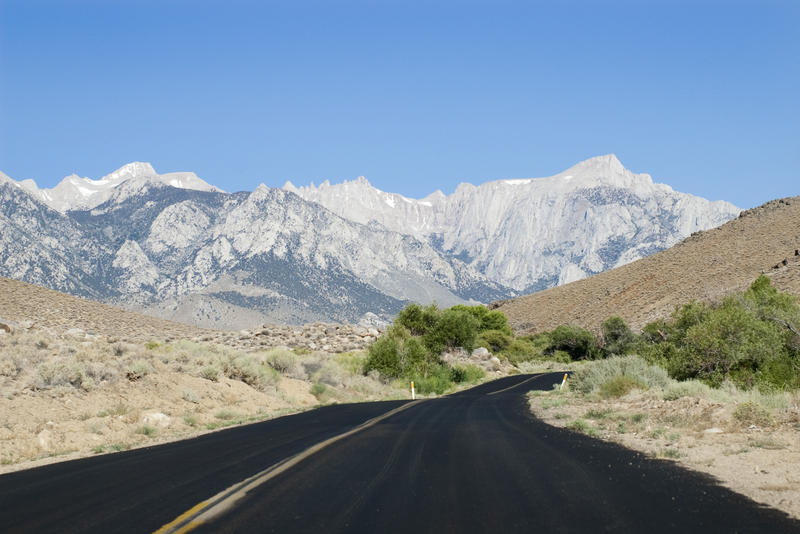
<point x="413" y="395"/>
<point x="564" y="381"/>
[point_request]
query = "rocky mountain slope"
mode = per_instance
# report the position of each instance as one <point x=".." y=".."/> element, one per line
<point x="531" y="234"/>
<point x="174" y="246"/>
<point x="705" y="267"/>
<point x="225" y="260"/>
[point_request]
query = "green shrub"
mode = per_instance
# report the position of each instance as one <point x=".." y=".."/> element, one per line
<point x="60" y="374"/>
<point x="384" y="356"/>
<point x="579" y="343"/>
<point x="488" y="319"/>
<point x="352" y="362"/>
<point x="438" y="381"/>
<point x="728" y="342"/>
<point x="751" y="339"/>
<point x="466" y="373"/>
<point x="418" y="320"/>
<point x="618" y="338"/>
<point x="318" y="389"/>
<point x="494" y="340"/>
<point x="453" y="328"/>
<point x="520" y="350"/>
<point x="416" y="359"/>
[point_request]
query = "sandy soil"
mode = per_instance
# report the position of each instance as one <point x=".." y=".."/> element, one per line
<point x="758" y="456"/>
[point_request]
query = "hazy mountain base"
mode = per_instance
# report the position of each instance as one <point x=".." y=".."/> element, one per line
<point x="748" y="441"/>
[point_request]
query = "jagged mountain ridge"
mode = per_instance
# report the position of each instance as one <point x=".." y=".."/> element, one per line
<point x="76" y="193"/>
<point x="530" y="234"/>
<point x="226" y="260"/>
<point x="174" y="246"/>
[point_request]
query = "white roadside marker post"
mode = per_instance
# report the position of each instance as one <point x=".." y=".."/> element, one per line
<point x="564" y="381"/>
<point x="413" y="395"/>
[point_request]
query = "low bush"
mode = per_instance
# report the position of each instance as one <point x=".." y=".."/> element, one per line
<point x="750" y="413"/>
<point x="318" y="389"/>
<point x="285" y="362"/>
<point x="137" y="370"/>
<point x="466" y="373"/>
<point x="59" y="374"/>
<point x="251" y="371"/>
<point x="438" y="381"/>
<point x="494" y="340"/>
<point x="591" y="377"/>
<point x="352" y="362"/>
<point x="619" y="386"/>
<point x="209" y="372"/>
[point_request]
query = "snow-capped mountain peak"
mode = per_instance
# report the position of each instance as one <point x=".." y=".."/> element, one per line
<point x="80" y="193"/>
<point x="510" y="229"/>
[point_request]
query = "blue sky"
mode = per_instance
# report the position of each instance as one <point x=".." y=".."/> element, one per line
<point x="416" y="96"/>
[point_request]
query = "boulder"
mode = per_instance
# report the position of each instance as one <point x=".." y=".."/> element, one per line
<point x="481" y="353"/>
<point x="156" y="419"/>
<point x="45" y="437"/>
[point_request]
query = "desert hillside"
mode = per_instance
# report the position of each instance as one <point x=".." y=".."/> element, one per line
<point x="705" y="267"/>
<point x="21" y="302"/>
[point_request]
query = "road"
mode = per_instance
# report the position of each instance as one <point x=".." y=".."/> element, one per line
<point x="476" y="461"/>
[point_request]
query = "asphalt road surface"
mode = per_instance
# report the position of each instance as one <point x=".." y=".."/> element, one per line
<point x="476" y="461"/>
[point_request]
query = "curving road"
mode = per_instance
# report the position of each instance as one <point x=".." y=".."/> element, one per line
<point x="476" y="461"/>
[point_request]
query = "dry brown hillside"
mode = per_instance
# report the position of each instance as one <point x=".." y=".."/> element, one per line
<point x="21" y="302"/>
<point x="705" y="267"/>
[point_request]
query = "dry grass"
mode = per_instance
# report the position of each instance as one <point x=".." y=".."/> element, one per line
<point x="65" y="396"/>
<point x="705" y="267"/>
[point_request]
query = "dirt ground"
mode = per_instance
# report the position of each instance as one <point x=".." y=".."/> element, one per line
<point x="750" y="452"/>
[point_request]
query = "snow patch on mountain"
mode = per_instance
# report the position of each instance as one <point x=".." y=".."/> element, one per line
<point x="77" y="193"/>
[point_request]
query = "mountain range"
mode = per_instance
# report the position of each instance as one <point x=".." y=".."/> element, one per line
<point x="177" y="247"/>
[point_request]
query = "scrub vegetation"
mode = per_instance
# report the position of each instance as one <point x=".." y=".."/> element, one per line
<point x="412" y="347"/>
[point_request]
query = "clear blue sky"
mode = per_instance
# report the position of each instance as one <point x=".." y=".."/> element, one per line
<point x="417" y="96"/>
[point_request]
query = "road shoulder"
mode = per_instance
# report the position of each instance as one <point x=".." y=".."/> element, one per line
<point x="759" y="459"/>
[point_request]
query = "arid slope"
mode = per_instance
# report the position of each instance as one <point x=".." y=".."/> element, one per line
<point x="20" y="301"/>
<point x="705" y="267"/>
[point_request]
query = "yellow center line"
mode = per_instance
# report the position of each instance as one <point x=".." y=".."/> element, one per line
<point x="185" y="515"/>
<point x="516" y="385"/>
<point x="222" y="501"/>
